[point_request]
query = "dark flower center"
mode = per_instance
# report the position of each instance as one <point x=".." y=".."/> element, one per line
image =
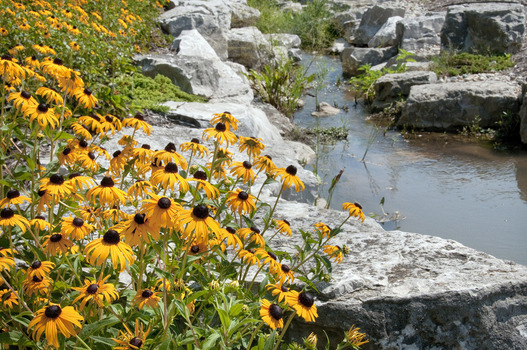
<point x="231" y="230"/>
<point x="272" y="255"/>
<point x="116" y="154"/>
<point x="195" y="249"/>
<point x="87" y="92"/>
<point x="41" y="193"/>
<point x="358" y="205"/>
<point x="139" y="218"/>
<point x="268" y="157"/>
<point x="139" y="116"/>
<point x="66" y="151"/>
<point x="284" y="288"/>
<point x="201" y="211"/>
<point x="13" y="194"/>
<point x="243" y="195"/>
<point x="58" y="61"/>
<point x="164" y="203"/>
<point x="107" y="182"/>
<point x="92" y="288"/>
<point x="195" y="140"/>
<point x="291" y="170"/>
<point x="220" y="127"/>
<point x="247" y="165"/>
<point x="43" y="108"/>
<point x="200" y="175"/>
<point x="171" y="168"/>
<point x="78" y="222"/>
<point x="136" y="342"/>
<point x="7" y="213"/>
<point x="287" y="222"/>
<point x="73" y="175"/>
<point x="40" y="217"/>
<point x="145" y="146"/>
<point x="7" y="58"/>
<point x="83" y="144"/>
<point x="92" y="157"/>
<point x="306" y="299"/>
<point x="275" y="311"/>
<point x="36" y="264"/>
<point x="147" y="293"/>
<point x="170" y="147"/>
<point x="55" y="238"/>
<point x="285" y="268"/>
<point x="111" y="237"/>
<point x="53" y="311"/>
<point x="26" y="95"/>
<point x="255" y="229"/>
<point x="56" y="179"/>
<point x="108" y="118"/>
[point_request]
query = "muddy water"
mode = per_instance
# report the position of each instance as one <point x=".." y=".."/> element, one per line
<point x="440" y="186"/>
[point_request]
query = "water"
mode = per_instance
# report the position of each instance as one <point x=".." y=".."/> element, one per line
<point x="447" y="188"/>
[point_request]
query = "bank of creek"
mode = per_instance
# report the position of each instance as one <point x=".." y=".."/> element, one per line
<point x="455" y="189"/>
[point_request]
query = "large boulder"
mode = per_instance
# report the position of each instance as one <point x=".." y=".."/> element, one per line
<point x="451" y="106"/>
<point x="487" y="27"/>
<point x="411" y="291"/>
<point x="386" y="36"/>
<point x="392" y="87"/>
<point x="372" y="20"/>
<point x="420" y="32"/>
<point x="523" y="117"/>
<point x="248" y="46"/>
<point x="354" y="57"/>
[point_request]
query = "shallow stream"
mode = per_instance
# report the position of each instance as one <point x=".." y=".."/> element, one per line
<point x="452" y="189"/>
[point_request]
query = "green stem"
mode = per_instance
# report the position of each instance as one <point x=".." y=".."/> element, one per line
<point x="268" y="223"/>
<point x="284" y="329"/>
<point x="253" y="335"/>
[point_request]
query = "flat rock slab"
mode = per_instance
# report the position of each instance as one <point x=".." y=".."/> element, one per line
<point x="451" y="106"/>
<point x="413" y="291"/>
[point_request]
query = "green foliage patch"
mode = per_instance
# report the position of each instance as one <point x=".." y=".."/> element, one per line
<point x="448" y="64"/>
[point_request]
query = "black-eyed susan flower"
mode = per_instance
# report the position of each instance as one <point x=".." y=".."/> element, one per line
<point x="354" y="338"/>
<point x="67" y="156"/>
<point x="268" y="258"/>
<point x="278" y="290"/>
<point x="283" y="273"/>
<point x="335" y="252"/>
<point x="289" y="178"/>
<point x="6" y="261"/>
<point x="79" y="182"/>
<point x="54" y="67"/>
<point x="39" y="269"/>
<point x="75" y="228"/>
<point x="74" y="45"/>
<point x="43" y="114"/>
<point x="22" y="100"/>
<point x="146" y="297"/>
<point x="144" y="154"/>
<point x="36" y="286"/>
<point x="16" y="49"/>
<point x="81" y="131"/>
<point x="140" y="188"/>
<point x="13" y="197"/>
<point x="32" y="62"/>
<point x="96" y="292"/>
<point x="201" y="182"/>
<point x="85" y="98"/>
<point x="195" y="148"/>
<point x="70" y="82"/>
<point x="53" y="319"/>
<point x="110" y="244"/>
<point x="56" y="186"/>
<point x="283" y="226"/>
<point x="137" y="229"/>
<point x="9" y="69"/>
<point x="10" y="219"/>
<point x="162" y="211"/>
<point x="198" y="247"/>
<point x="8" y="299"/>
<point x="131" y="340"/>
<point x="324" y="229"/>
<point x="233" y="240"/>
<point x="4" y="32"/>
<point x="118" y="162"/>
<point x="138" y="122"/>
<point x="252" y="145"/>
<point x="249" y="257"/>
<point x="271" y="314"/>
<point x="244" y="171"/>
<point x="56" y="244"/>
<point x="106" y="193"/>
<point x="304" y="304"/>
<point x="241" y="201"/>
<point x="197" y="221"/>
<point x="73" y="30"/>
<point x="39" y="223"/>
<point x="225" y="118"/>
<point x="51" y="95"/>
<point x="110" y="123"/>
<point x="169" y="154"/>
<point x="354" y="209"/>
<point x="221" y="134"/>
<point x="254" y="235"/>
<point x="168" y="177"/>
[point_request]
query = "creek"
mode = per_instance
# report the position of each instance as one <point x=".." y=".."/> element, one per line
<point x="441" y="186"/>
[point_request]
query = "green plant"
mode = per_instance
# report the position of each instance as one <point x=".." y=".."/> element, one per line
<point x="450" y="64"/>
<point x="281" y="84"/>
<point x="331" y="134"/>
<point x="507" y="130"/>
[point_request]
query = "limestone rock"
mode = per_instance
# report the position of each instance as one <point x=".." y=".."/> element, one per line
<point x="372" y="20"/>
<point x="386" y="35"/>
<point x="191" y="43"/>
<point x="420" y="32"/>
<point x="485" y="27"/>
<point x="289" y="41"/>
<point x="391" y="87"/>
<point x="242" y="15"/>
<point x="523" y="117"/>
<point x="354" y="57"/>
<point x="325" y="110"/>
<point x="249" y="47"/>
<point x="451" y="106"/>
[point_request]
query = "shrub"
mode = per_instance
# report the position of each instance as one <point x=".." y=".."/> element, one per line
<point x="448" y="64"/>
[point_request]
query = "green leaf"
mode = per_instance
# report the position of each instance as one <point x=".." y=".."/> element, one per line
<point x="269" y="343"/>
<point x="15" y="338"/>
<point x="89" y="329"/>
<point x="167" y="345"/>
<point x="235" y="310"/>
<point x="102" y="340"/>
<point x="224" y="318"/>
<point x="211" y="340"/>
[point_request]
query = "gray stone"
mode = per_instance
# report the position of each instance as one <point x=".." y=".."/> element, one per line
<point x="325" y="110"/>
<point x="486" y="28"/>
<point x="242" y="15"/>
<point x="523" y="118"/>
<point x="386" y="36"/>
<point x="411" y="291"/>
<point x="191" y="43"/>
<point x="288" y="41"/>
<point x="292" y="7"/>
<point x="451" y="106"/>
<point x="354" y="57"/>
<point x="338" y="46"/>
<point x="372" y="20"/>
<point x="295" y="54"/>
<point x="249" y="47"/>
<point x="420" y="32"/>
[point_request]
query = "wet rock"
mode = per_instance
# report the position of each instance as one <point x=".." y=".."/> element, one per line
<point x="487" y="27"/>
<point x="523" y="118"/>
<point x="386" y="36"/>
<point x="392" y="87"/>
<point x="372" y="20"/>
<point x="354" y="57"/>
<point x="451" y="106"/>
<point x="420" y="32"/>
<point x="325" y="110"/>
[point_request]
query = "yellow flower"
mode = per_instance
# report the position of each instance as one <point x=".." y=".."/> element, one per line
<point x="323" y="228"/>
<point x="243" y="170"/>
<point x="162" y="211"/>
<point x="241" y="201"/>
<point x="335" y="252"/>
<point x="253" y="145"/>
<point x="198" y="221"/>
<point x="225" y="118"/>
<point x="221" y="133"/>
<point x="146" y="297"/>
<point x="56" y="244"/>
<point x="304" y="304"/>
<point x="110" y="244"/>
<point x="278" y="290"/>
<point x="289" y="178"/>
<point x="22" y="100"/>
<point x="106" y="193"/>
<point x="8" y="298"/>
<point x="168" y="176"/>
<point x="131" y="341"/>
<point x="354" y="337"/>
<point x="52" y="318"/>
<point x="96" y="291"/>
<point x="201" y="182"/>
<point x="169" y="154"/>
<point x="51" y="95"/>
<point x="39" y="269"/>
<point x="13" y="197"/>
<point x="195" y="147"/>
<point x="9" y="218"/>
<point x="75" y="228"/>
<point x="283" y="226"/>
<point x="138" y="122"/>
<point x="271" y="314"/>
<point x="354" y="209"/>
<point x="137" y="229"/>
<point x="85" y="98"/>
